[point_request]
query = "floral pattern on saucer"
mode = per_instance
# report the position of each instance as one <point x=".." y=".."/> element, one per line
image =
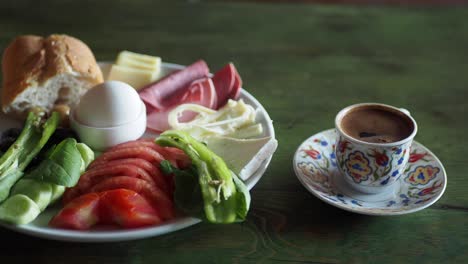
<point x="422" y="183"/>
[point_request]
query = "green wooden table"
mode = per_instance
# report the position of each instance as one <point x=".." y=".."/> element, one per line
<point x="304" y="63"/>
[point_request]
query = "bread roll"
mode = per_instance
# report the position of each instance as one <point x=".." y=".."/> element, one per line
<point x="42" y="72"/>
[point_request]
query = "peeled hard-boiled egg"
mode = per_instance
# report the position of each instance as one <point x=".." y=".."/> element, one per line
<point x="109" y="104"/>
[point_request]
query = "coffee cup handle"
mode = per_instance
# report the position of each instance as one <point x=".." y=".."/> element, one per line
<point x="405" y="111"/>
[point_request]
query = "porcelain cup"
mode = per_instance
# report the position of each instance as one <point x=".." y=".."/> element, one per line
<point x="372" y="168"/>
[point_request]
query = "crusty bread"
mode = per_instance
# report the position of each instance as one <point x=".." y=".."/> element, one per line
<point x="42" y="72"/>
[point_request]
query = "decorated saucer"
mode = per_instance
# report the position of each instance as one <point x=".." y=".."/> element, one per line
<point x="421" y="184"/>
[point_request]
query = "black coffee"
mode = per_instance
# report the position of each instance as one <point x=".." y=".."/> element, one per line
<point x="376" y="124"/>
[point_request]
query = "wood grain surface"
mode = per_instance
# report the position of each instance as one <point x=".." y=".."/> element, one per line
<point x="304" y="63"/>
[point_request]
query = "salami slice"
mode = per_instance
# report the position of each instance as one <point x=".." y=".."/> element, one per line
<point x="96" y="175"/>
<point x="223" y="81"/>
<point x="200" y="92"/>
<point x="162" y="203"/>
<point x="235" y="90"/>
<point x="145" y="153"/>
<point x="156" y="94"/>
<point x="163" y="182"/>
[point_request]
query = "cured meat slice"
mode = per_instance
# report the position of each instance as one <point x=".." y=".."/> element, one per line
<point x="223" y="81"/>
<point x="235" y="90"/>
<point x="161" y="202"/>
<point x="96" y="175"/>
<point x="156" y="94"/>
<point x="200" y="92"/>
<point x="163" y="182"/>
<point x="145" y="153"/>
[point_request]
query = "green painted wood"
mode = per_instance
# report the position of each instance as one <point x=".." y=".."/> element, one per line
<point x="304" y="63"/>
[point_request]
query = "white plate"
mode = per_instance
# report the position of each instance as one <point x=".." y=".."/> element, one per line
<point x="39" y="227"/>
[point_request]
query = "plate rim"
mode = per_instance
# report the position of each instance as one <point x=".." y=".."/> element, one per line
<point x="380" y="211"/>
<point x="141" y="233"/>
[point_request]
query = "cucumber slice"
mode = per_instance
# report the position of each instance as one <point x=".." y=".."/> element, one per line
<point x="57" y="192"/>
<point x="8" y="182"/>
<point x="19" y="209"/>
<point x="38" y="191"/>
<point x="87" y="154"/>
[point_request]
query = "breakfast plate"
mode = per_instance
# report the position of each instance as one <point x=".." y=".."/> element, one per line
<point x="40" y="228"/>
<point x="421" y="185"/>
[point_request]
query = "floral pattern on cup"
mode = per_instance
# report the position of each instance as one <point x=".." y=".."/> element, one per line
<point x="381" y="158"/>
<point x="384" y="164"/>
<point x="317" y="174"/>
<point x="421" y="175"/>
<point x="358" y="166"/>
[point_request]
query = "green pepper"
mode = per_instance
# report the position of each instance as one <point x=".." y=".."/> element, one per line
<point x="32" y="139"/>
<point x="225" y="198"/>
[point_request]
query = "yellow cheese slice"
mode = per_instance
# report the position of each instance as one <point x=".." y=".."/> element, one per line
<point x="137" y="78"/>
<point x="143" y="58"/>
<point x="140" y="61"/>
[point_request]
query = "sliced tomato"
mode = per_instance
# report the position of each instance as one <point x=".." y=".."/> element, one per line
<point x="70" y="194"/>
<point x="145" y="153"/>
<point x="174" y="155"/>
<point x="144" y="142"/>
<point x="151" y="169"/>
<point x="183" y="161"/>
<point x="127" y="209"/>
<point x="98" y="174"/>
<point x="160" y="201"/>
<point x="81" y="213"/>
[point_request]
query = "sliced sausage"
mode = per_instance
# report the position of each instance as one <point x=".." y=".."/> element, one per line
<point x="200" y="92"/>
<point x="223" y="81"/>
<point x="157" y="94"/>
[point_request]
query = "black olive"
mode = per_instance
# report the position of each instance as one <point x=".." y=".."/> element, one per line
<point x="11" y="133"/>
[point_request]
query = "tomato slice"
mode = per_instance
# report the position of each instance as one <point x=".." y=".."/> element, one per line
<point x="81" y="213"/>
<point x="122" y="207"/>
<point x="141" y="152"/>
<point x="153" y="170"/>
<point x="70" y="194"/>
<point x="127" y="209"/>
<point x="98" y="174"/>
<point x="160" y="201"/>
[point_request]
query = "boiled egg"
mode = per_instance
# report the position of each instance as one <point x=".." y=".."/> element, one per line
<point x="109" y="114"/>
<point x="108" y="104"/>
